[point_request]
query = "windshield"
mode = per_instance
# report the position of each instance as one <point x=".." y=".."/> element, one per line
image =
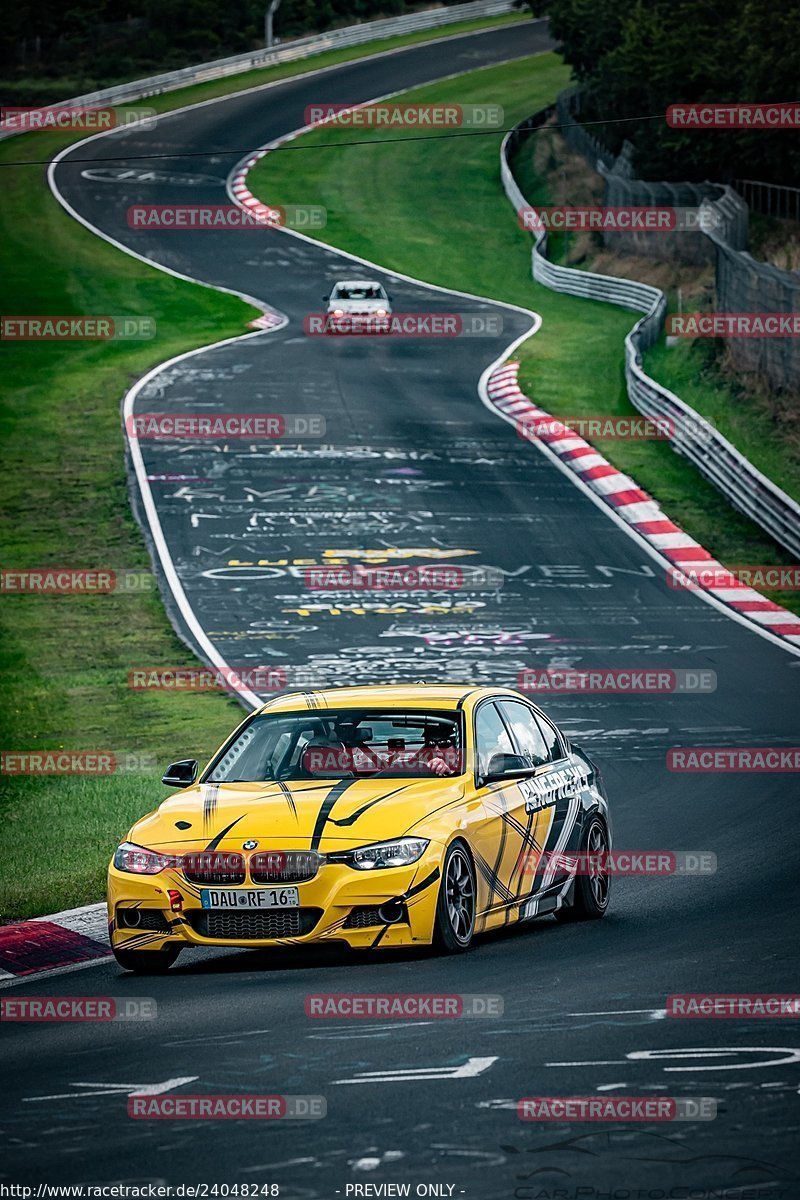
<point x="344" y="743"/>
<point x="365" y="292"/>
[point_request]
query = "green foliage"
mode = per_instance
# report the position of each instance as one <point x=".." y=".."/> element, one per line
<point x="634" y="59"/>
<point x="98" y="42"/>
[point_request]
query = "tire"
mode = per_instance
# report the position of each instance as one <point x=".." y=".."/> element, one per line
<point x="147" y="962"/>
<point x="590" y="891"/>
<point x="456" y="902"/>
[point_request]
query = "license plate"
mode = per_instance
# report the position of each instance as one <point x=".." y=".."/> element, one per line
<point x="283" y="897"/>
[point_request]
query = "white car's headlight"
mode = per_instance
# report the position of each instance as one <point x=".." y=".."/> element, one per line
<point x="138" y="860"/>
<point x="398" y="853"/>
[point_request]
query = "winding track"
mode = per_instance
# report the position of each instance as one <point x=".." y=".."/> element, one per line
<point x="418" y="462"/>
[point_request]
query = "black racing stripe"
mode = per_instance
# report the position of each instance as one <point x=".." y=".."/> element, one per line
<point x="212" y="845"/>
<point x="482" y="865"/>
<point x="289" y="797"/>
<point x="325" y="811"/>
<point x="560" y="814"/>
<point x="496" y="885"/>
<point x="351" y="820"/>
<point x="379" y="938"/>
<point x="492" y="879"/>
<point x="144" y="939"/>
<point x="422" y="885"/>
<point x="191" y="889"/>
<point x="528" y="842"/>
<point x="516" y="824"/>
<point x="210" y="802"/>
<point x="335" y="927"/>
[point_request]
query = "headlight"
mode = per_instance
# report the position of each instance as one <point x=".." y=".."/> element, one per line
<point x="338" y="312"/>
<point x="137" y="860"/>
<point x="384" y="854"/>
<point x="382" y="312"/>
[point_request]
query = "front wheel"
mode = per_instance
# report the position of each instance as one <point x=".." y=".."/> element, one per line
<point x="147" y="962"/>
<point x="455" y="906"/>
<point x="591" y="887"/>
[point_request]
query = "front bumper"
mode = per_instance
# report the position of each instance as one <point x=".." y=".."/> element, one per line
<point x="338" y="905"/>
<point x="357" y="323"/>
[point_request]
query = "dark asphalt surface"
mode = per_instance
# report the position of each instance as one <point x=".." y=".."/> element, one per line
<point x="412" y="459"/>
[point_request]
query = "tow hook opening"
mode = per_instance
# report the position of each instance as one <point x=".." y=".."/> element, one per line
<point x="391" y="912"/>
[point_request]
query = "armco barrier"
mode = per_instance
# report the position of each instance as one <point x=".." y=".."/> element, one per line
<point x="350" y="35"/>
<point x="742" y="283"/>
<point x="713" y="455"/>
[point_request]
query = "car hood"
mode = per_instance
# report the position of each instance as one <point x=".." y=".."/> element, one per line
<point x="303" y="814"/>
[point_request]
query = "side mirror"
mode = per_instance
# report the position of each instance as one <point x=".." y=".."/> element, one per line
<point x="180" y="774"/>
<point x="507" y="766"/>
<point x="325" y="298"/>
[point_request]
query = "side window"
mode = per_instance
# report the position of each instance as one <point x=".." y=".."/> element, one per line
<point x="527" y="733"/>
<point x="491" y="736"/>
<point x="551" y="736"/>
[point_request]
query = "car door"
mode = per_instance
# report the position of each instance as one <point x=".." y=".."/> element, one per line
<point x="552" y="795"/>
<point x="511" y="837"/>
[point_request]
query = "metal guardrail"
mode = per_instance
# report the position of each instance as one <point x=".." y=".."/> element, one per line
<point x="714" y="456"/>
<point x="743" y="284"/>
<point x="771" y="199"/>
<point x="350" y="35"/>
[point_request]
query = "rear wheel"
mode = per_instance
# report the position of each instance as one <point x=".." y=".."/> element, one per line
<point x="147" y="962"/>
<point x="591" y="887"/>
<point x="455" y="907"/>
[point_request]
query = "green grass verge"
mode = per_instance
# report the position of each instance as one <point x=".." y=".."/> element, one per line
<point x="454" y="227"/>
<point x="762" y="427"/>
<point x="752" y="422"/>
<point x="64" y="660"/>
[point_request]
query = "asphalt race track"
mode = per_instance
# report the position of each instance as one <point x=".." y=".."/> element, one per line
<point x="412" y="459"/>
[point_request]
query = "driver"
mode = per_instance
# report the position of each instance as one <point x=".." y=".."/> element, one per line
<point x="439" y="755"/>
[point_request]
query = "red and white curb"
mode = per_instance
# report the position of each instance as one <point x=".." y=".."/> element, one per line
<point x="268" y="320"/>
<point x="63" y="941"/>
<point x="245" y="197"/>
<point x="680" y="552"/>
<point x="271" y="318"/>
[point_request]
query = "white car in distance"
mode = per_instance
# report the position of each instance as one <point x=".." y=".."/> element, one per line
<point x="358" y="306"/>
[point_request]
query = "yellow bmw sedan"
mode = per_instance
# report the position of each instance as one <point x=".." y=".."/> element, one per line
<point x="414" y="815"/>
